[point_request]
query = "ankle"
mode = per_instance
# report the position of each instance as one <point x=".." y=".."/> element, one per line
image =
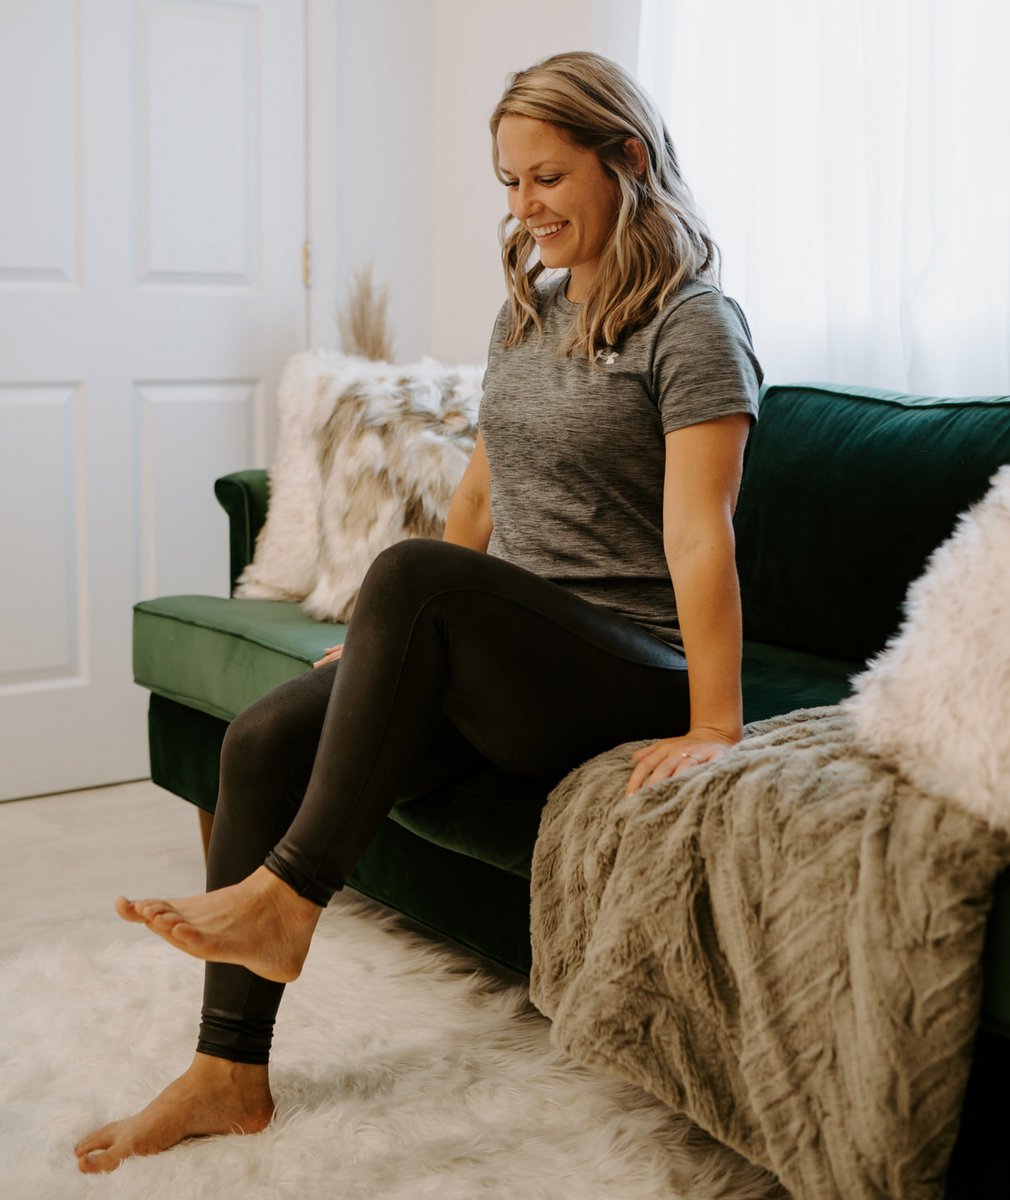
<point x="210" y="1068"/>
<point x="284" y="895"/>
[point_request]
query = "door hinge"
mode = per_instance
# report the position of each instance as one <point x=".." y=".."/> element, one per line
<point x="307" y="264"/>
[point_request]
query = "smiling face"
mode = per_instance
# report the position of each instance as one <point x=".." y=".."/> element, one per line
<point x="561" y="193"/>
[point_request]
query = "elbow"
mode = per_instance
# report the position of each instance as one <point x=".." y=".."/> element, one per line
<point x="715" y="538"/>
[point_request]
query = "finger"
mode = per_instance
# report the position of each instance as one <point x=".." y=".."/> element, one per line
<point x="664" y="771"/>
<point x="638" y="775"/>
<point x="634" y="783"/>
<point x="635" y="779"/>
<point x="638" y="755"/>
<point x="674" y="765"/>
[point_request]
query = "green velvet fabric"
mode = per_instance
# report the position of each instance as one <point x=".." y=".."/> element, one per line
<point x="489" y="815"/>
<point x="185" y="746"/>
<point x="244" y="496"/>
<point x="845" y="494"/>
<point x="778" y="681"/>
<point x="220" y="655"/>
<point x="464" y="898"/>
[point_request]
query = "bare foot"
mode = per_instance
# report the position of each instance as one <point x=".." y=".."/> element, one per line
<point x="213" y="1096"/>
<point x="260" y="923"/>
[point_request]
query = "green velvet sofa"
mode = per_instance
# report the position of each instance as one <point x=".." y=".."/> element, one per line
<point x="845" y="493"/>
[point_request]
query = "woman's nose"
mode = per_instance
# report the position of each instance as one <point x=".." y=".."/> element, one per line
<point x="524" y="203"/>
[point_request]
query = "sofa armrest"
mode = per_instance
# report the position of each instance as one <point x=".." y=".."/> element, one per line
<point x="244" y="497"/>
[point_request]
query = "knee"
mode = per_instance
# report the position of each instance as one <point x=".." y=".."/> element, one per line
<point x="412" y="569"/>
<point x="242" y="738"/>
<point x="412" y="555"/>
<point x="259" y="735"/>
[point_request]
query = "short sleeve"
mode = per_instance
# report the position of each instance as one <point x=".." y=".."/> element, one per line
<point x="497" y="341"/>
<point x="704" y="365"/>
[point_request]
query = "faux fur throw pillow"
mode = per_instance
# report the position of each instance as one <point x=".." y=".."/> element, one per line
<point x="367" y="454"/>
<point x="936" y="701"/>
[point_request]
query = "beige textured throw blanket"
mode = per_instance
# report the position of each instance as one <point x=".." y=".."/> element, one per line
<point x="785" y="945"/>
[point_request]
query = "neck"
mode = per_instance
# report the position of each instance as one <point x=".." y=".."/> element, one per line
<point x="579" y="283"/>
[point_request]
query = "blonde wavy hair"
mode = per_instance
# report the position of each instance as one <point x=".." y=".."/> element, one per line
<point x="659" y="239"/>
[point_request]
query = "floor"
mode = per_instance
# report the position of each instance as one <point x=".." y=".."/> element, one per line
<point x="65" y="858"/>
<point x="455" y="1096"/>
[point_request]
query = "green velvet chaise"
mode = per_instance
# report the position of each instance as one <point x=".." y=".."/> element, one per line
<point x="846" y="492"/>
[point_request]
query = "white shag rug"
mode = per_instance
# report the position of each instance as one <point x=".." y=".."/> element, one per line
<point x="402" y="1071"/>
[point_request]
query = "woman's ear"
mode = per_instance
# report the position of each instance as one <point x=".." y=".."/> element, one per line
<point x="635" y="151"/>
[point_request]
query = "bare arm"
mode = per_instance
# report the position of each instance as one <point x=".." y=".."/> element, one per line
<point x="703" y="469"/>
<point x="469" y="521"/>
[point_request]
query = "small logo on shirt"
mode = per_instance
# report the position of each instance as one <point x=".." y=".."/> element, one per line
<point x="608" y="357"/>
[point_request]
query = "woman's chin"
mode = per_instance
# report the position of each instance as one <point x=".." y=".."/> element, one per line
<point x="553" y="261"/>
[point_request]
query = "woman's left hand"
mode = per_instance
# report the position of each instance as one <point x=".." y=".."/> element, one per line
<point x="670" y="756"/>
<point x="330" y="654"/>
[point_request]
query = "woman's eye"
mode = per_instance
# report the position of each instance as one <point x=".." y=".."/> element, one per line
<point x="546" y="181"/>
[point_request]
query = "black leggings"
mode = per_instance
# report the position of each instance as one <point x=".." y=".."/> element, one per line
<point x="453" y="659"/>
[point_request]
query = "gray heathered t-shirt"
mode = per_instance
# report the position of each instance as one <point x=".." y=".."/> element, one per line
<point x="577" y="455"/>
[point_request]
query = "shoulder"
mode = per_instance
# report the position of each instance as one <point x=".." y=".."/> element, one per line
<point x="699" y="305"/>
<point x="702" y="326"/>
<point x="703" y="361"/>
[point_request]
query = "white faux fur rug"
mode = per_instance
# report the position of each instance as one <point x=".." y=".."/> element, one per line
<point x="400" y="1071"/>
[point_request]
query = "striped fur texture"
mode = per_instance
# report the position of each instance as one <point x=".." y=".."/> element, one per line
<point x="785" y="945"/>
<point x="368" y="454"/>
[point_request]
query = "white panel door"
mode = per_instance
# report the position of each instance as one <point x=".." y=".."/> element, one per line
<point x="152" y="214"/>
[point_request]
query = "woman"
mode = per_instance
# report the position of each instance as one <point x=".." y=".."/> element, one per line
<point x="544" y="628"/>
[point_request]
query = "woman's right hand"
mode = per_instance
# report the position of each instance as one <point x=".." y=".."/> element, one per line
<point x="330" y="654"/>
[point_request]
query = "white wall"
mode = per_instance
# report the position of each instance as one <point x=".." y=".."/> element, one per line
<point x="476" y="44"/>
<point x="384" y="167"/>
<point x="418" y="82"/>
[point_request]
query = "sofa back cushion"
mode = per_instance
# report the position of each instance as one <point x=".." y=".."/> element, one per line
<point x="845" y="494"/>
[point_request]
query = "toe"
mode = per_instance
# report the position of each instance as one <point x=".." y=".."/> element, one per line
<point x="170" y="924"/>
<point x="100" y="1139"/>
<point x="127" y="909"/>
<point x="98" y="1161"/>
<point x="184" y="931"/>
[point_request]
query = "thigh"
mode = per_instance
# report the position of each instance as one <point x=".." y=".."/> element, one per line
<point x="545" y="692"/>
<point x="535" y="677"/>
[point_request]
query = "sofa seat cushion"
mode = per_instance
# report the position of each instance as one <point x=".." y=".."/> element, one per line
<point x="488" y="815"/>
<point x="777" y="681"/>
<point x="220" y="655"/>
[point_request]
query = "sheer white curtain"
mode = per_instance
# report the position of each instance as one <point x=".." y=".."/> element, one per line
<point x="852" y="158"/>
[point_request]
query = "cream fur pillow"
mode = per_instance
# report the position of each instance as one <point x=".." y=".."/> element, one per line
<point x="936" y="701"/>
<point x="367" y="454"/>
